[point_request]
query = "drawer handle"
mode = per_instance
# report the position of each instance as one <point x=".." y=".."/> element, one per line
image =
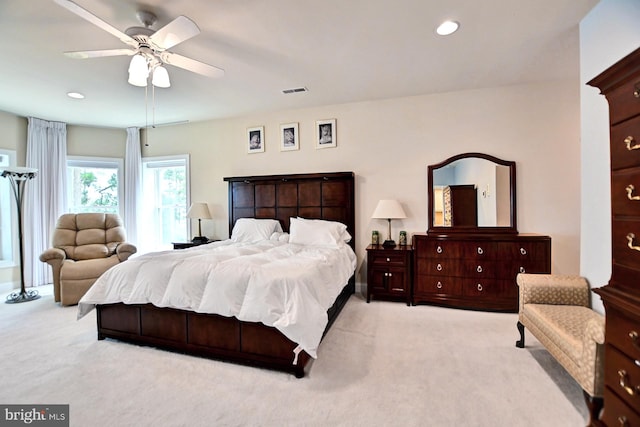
<point x="439" y="285"/>
<point x="439" y="267"/>
<point x="397" y="289"/>
<point x="479" y="287"/>
<point x="439" y="249"/>
<point x="522" y="270"/>
<point x="523" y="251"/>
<point x="623" y="421"/>
<point x="631" y="140"/>
<point x="388" y="274"/>
<point x="388" y="260"/>
<point x="480" y="251"/>
<point x="630" y="188"/>
<point x="479" y="269"/>
<point x="630" y="238"/>
<point x="631" y="391"/>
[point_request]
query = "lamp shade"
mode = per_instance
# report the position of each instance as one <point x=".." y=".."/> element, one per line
<point x="138" y="70"/>
<point x="388" y="209"/>
<point x="199" y="210"/>
<point x="160" y="77"/>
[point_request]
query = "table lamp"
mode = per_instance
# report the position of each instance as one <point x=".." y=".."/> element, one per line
<point x="200" y="211"/>
<point x="388" y="209"/>
<point x="18" y="178"/>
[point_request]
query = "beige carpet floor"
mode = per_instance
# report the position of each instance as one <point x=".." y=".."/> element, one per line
<point x="382" y="364"/>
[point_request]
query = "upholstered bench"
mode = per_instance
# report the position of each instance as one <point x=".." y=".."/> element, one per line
<point x="556" y="310"/>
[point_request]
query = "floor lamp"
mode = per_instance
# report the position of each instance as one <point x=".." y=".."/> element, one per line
<point x="18" y="178"/>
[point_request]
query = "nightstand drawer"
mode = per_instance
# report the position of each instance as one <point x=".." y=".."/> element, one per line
<point x="388" y="259"/>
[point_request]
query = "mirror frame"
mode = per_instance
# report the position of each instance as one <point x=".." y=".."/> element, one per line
<point x="512" y="229"/>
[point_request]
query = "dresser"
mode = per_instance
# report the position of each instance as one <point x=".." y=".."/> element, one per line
<point x="476" y="271"/>
<point x="389" y="272"/>
<point x="621" y="296"/>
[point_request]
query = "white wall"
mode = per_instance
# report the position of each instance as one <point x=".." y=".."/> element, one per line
<point x="608" y="33"/>
<point x="389" y="143"/>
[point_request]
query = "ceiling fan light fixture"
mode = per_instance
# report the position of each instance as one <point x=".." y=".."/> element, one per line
<point x="138" y="65"/>
<point x="160" y="77"/>
<point x="137" y="79"/>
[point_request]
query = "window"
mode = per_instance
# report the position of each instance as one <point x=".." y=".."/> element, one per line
<point x="8" y="217"/>
<point x="165" y="189"/>
<point x="94" y="184"/>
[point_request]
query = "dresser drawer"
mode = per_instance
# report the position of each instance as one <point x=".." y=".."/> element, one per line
<point x="622" y="376"/>
<point x="522" y="250"/>
<point x="625" y="192"/>
<point x="427" y="248"/>
<point x="478" y="250"/>
<point x="438" y="267"/>
<point x="625" y="243"/>
<point x="390" y="258"/>
<point x="618" y="413"/>
<point x="438" y="285"/>
<point x="623" y="102"/>
<point x="623" y="333"/>
<point x="479" y="269"/>
<point x="512" y="269"/>
<point x="624" y="137"/>
<point x="490" y="288"/>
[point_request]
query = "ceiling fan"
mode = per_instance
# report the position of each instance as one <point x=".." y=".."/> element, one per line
<point x="149" y="48"/>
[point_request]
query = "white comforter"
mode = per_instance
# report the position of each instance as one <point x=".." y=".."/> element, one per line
<point x="284" y="285"/>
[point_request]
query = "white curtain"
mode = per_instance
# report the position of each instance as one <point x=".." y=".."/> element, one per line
<point x="132" y="184"/>
<point x="45" y="197"/>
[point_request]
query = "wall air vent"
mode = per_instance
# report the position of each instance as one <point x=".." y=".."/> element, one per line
<point x="295" y="90"/>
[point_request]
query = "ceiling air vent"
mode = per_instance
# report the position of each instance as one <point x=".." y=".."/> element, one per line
<point x="295" y="90"/>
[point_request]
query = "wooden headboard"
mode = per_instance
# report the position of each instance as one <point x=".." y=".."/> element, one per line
<point x="328" y="196"/>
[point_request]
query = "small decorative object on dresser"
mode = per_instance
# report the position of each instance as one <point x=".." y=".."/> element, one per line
<point x="620" y="84"/>
<point x="389" y="272"/>
<point x="473" y="264"/>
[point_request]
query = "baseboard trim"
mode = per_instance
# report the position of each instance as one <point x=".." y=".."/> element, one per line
<point x="7" y="287"/>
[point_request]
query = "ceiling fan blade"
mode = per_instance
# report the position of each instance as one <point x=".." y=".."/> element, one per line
<point x="85" y="14"/>
<point x="99" y="53"/>
<point x="176" y="31"/>
<point x="191" y="65"/>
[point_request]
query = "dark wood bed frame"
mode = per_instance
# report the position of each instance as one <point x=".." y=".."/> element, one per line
<point x="328" y="196"/>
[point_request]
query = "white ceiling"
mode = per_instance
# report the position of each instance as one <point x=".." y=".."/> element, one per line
<point x="341" y="50"/>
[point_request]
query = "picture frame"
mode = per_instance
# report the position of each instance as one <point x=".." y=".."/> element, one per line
<point x="326" y="136"/>
<point x="289" y="137"/>
<point x="255" y="139"/>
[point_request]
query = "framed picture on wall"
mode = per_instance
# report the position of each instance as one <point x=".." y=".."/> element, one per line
<point x="326" y="136"/>
<point x="289" y="137"/>
<point x="255" y="139"/>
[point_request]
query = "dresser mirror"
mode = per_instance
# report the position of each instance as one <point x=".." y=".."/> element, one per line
<point x="472" y="193"/>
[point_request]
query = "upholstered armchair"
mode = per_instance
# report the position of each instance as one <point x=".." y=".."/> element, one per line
<point x="85" y="245"/>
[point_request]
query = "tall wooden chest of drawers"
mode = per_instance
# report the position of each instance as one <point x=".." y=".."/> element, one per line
<point x="621" y="296"/>
<point x="476" y="271"/>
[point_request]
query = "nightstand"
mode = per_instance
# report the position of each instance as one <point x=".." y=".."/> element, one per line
<point x="185" y="245"/>
<point x="389" y="272"/>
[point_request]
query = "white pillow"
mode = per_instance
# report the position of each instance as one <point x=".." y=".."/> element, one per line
<point x="254" y="230"/>
<point x="317" y="232"/>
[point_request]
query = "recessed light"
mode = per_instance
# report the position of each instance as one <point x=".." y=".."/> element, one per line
<point x="447" y="27"/>
<point x="75" y="95"/>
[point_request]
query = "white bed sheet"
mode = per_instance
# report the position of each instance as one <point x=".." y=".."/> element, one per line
<point x="284" y="285"/>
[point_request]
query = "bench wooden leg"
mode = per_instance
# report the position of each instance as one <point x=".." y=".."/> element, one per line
<point x="594" y="405"/>
<point x="520" y="343"/>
